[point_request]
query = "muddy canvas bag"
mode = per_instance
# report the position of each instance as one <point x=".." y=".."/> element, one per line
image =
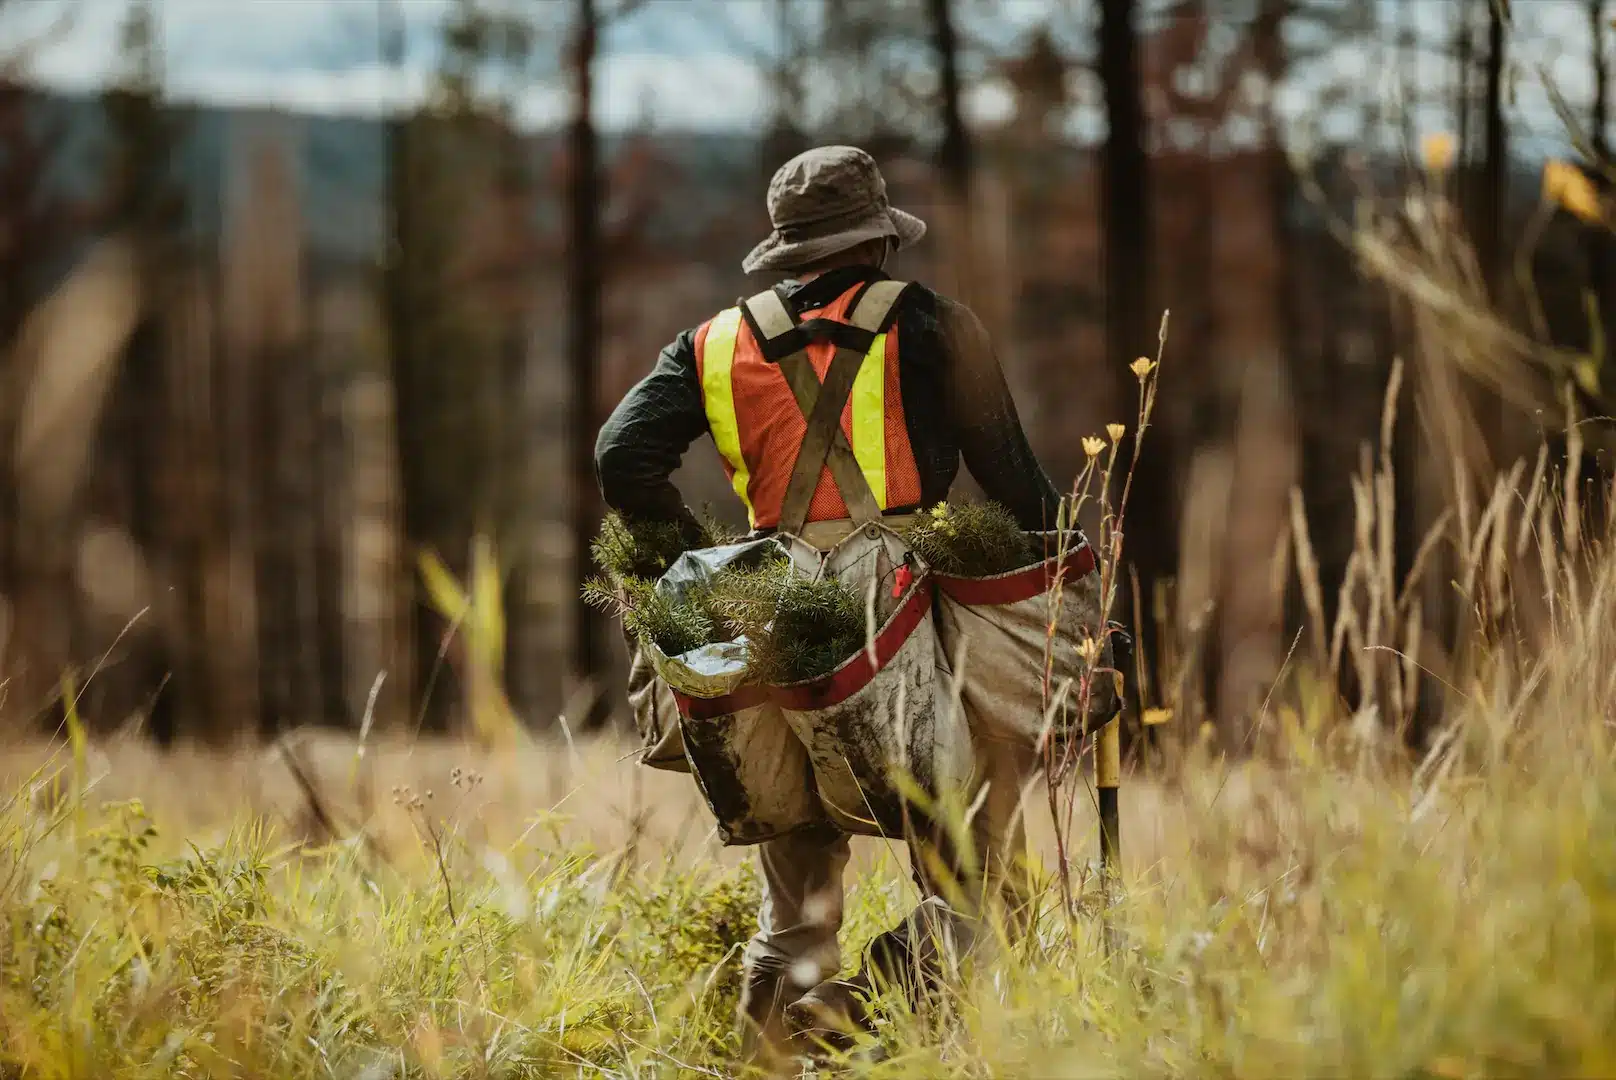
<point x="655" y="712"/>
<point x="993" y="633"/>
<point x="874" y="717"/>
<point x="752" y="771"/>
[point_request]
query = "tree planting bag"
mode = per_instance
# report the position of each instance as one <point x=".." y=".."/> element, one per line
<point x="752" y="771"/>
<point x="876" y="715"/>
<point x="993" y="633"/>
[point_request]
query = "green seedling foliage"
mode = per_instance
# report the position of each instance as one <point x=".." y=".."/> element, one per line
<point x="643" y="550"/>
<point x="649" y="616"/>
<point x="971" y="539"/>
<point x="797" y="628"/>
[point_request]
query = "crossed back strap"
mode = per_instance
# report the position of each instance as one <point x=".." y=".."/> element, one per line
<point x="784" y="340"/>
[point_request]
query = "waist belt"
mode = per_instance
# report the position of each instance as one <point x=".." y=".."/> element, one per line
<point x="825" y="535"/>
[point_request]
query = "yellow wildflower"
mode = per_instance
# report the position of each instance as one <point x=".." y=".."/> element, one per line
<point x="1116" y="431"/>
<point x="1569" y="188"/>
<point x="1092" y="445"/>
<point x="1437" y="150"/>
<point x="1142" y="366"/>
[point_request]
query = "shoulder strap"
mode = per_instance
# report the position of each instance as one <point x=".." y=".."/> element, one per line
<point x="779" y="332"/>
<point x="823" y="441"/>
<point x="768" y="316"/>
<point x="877" y="306"/>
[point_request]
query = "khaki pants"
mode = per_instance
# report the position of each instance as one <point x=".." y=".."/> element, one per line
<point x="796" y="947"/>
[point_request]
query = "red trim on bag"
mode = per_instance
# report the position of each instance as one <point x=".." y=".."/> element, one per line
<point x="1018" y="585"/>
<point x="857" y="671"/>
<point x="854" y="675"/>
<point x="695" y="708"/>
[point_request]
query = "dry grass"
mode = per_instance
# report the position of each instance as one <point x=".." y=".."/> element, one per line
<point x="1328" y="911"/>
<point x="585" y="797"/>
<point x="1330" y="907"/>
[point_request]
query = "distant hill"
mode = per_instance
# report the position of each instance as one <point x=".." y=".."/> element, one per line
<point x="342" y="171"/>
<point x="710" y="178"/>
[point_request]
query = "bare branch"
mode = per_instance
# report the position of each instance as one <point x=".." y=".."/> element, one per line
<point x="16" y="63"/>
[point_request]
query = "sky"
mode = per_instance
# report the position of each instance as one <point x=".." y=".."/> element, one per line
<point x="686" y="64"/>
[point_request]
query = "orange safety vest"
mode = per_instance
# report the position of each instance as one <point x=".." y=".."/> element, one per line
<point x="758" y="427"/>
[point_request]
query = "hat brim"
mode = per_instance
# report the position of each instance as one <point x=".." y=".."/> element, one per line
<point x="775" y="253"/>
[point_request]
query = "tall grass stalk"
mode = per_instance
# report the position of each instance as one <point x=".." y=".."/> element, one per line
<point x="1060" y="756"/>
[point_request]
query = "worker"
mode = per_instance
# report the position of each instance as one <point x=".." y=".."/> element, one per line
<point x="941" y="396"/>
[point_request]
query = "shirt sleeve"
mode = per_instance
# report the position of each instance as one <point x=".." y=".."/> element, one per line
<point x="991" y="438"/>
<point x="646" y="436"/>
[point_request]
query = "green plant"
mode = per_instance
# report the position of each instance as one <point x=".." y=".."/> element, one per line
<point x="643" y="550"/>
<point x="796" y="628"/>
<point x="971" y="539"/>
<point x="675" y="627"/>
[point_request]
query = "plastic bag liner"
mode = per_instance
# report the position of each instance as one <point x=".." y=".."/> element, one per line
<point x="877" y="713"/>
<point x="997" y="628"/>
<point x="752" y="771"/>
<point x="717" y="669"/>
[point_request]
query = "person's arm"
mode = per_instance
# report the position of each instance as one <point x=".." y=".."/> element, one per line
<point x="991" y="439"/>
<point x="645" y="438"/>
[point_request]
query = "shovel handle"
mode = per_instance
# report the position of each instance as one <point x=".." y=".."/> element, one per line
<point x="1107" y="779"/>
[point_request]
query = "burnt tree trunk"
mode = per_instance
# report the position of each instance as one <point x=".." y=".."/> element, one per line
<point x="1125" y="201"/>
<point x="583" y="351"/>
<point x="1257" y="368"/>
<point x="954" y="156"/>
<point x="1598" y="243"/>
<point x="1490" y="195"/>
<point x="784" y="138"/>
<point x="29" y="222"/>
<point x="954" y="153"/>
<point x="419" y="647"/>
<point x="1464" y="45"/>
<point x="1497" y="421"/>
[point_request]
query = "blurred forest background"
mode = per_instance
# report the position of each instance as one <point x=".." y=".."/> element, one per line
<point x="253" y="361"/>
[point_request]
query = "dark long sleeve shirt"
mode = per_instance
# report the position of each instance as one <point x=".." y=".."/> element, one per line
<point x="955" y="401"/>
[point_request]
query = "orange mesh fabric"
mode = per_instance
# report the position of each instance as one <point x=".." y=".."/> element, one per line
<point x="903" y="474"/>
<point x="772" y="426"/>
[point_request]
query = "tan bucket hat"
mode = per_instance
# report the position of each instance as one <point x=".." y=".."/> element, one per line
<point x="826" y="200"/>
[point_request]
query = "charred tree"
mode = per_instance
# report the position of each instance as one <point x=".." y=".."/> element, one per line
<point x="394" y="589"/>
<point x="785" y="137"/>
<point x="583" y="349"/>
<point x="1491" y="194"/>
<point x="1597" y="240"/>
<point x="954" y="156"/>
<point x="144" y="201"/>
<point x="450" y="415"/>
<point x="1150" y="547"/>
<point x="954" y="152"/>
<point x="31" y="219"/>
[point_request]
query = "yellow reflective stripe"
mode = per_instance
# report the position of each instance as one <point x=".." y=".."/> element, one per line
<point x="717" y="391"/>
<point x="870" y="419"/>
